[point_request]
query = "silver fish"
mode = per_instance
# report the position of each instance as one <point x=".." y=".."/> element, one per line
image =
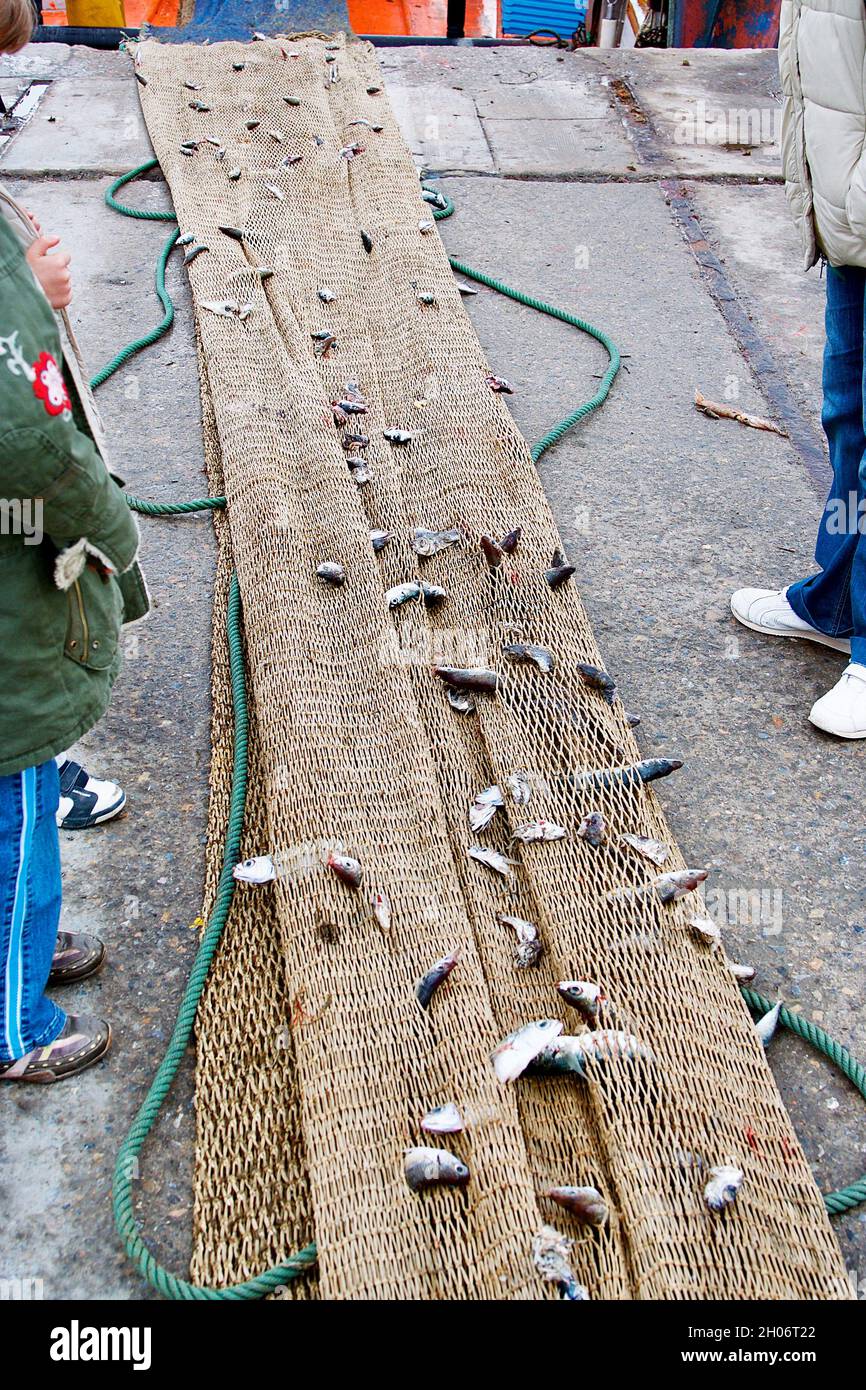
<point x="265" y="271"/>
<point x="426" y="543"/>
<point x="381" y="906"/>
<point x="251" y="125"/>
<point x="491" y="859"/>
<point x="379" y="539"/>
<point x="292" y="101"/>
<point x="655" y="850"/>
<point x="327" y="296"/>
<point x="645" y="771"/>
<point x="539" y="830"/>
<point x="464" y="288"/>
<point x="551" y="1255"/>
<point x="528" y="950"/>
<point x="471" y="678"/>
<point x="192" y="87"/>
<point x="725" y="1182"/>
<point x="599" y="680"/>
<point x="275" y="192"/>
<point x="498" y="383"/>
<point x="425" y="226"/>
<point x="668" y="887"/>
<point x="743" y="974"/>
<point x="767" y="1025"/>
<point x="139" y="78"/>
<point x="226" y="308"/>
<point x="277" y="135"/>
<point x="538" y="656"/>
<point x="359" y="470"/>
<point x="434" y="1168"/>
<point x="432" y="595"/>
<point x="187" y="150"/>
<point x="259" y="869"/>
<point x="484" y="808"/>
<point x="331" y="571"/>
<point x="519" y="785"/>
<point x="461" y="701"/>
<point x="345" y="867"/>
<point x="430" y="982"/>
<point x="513" y="1055"/>
<point x="234" y="175"/>
<point x="583" y="995"/>
<point x="352" y="406"/>
<point x="367" y="242"/>
<point x="586" y="1203"/>
<point x="398" y="436"/>
<point x="198" y="106"/>
<point x="235" y="233"/>
<point x="493" y="552"/>
<point x="186" y="239"/>
<point x="708" y="930"/>
<point x="571" y="1054"/>
<point x="429" y="301"/>
<point x="351" y="151"/>
<point x="193" y="251"/>
<point x="403" y="593"/>
<point x="593" y="829"/>
<point x="443" y="1119"/>
<point x="238" y="67"/>
<point x="560" y="571"/>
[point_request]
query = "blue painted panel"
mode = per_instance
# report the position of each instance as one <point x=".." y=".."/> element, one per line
<point x="524" y="16"/>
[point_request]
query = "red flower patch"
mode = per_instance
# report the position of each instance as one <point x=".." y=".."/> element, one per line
<point x="49" y="386"/>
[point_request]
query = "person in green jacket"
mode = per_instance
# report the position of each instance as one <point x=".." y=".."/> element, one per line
<point x="68" y="580"/>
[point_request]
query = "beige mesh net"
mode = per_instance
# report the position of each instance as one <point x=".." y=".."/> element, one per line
<point x="315" y="1060"/>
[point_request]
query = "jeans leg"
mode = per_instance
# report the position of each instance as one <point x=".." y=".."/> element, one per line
<point x="825" y="599"/>
<point x="29" y="909"/>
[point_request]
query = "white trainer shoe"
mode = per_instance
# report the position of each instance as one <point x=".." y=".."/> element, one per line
<point x="842" y="711"/>
<point x="768" y="611"/>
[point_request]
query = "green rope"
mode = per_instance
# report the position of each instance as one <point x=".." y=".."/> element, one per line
<point x="126" y="1166"/>
<point x="855" y="1193"/>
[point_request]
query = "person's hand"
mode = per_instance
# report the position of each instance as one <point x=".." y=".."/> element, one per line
<point x="51" y="270"/>
<point x="31" y="218"/>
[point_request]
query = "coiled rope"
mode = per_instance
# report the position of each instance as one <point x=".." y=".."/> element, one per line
<point x="126" y="1167"/>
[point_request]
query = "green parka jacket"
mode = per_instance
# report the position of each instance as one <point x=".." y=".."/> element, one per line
<point x="68" y="541"/>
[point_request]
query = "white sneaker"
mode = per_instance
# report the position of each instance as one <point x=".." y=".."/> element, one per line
<point x="768" y="611"/>
<point x="842" y="711"/>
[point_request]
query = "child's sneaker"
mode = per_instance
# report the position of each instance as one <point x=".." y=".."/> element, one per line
<point x="85" y="800"/>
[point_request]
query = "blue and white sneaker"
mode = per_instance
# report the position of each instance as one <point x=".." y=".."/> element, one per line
<point x="85" y="800"/>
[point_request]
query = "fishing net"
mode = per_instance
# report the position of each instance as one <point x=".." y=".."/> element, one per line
<point x="315" y="1060"/>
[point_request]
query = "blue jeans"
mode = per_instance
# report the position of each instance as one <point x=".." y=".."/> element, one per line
<point x="834" y="601"/>
<point x="29" y="908"/>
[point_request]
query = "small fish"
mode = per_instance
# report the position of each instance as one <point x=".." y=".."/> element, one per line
<point x="238" y="67"/>
<point x="708" y="930"/>
<point x="551" y="1255"/>
<point x="593" y="829"/>
<point x="193" y="251"/>
<point x="493" y="552"/>
<point x="443" y="1119"/>
<point x="361" y="121"/>
<point x="403" y="593"/>
<point x="586" y="1203"/>
<point x="668" y="887"/>
<point x="379" y="539"/>
<point x="359" y="470"/>
<point x="560" y="571"/>
<point x="186" y="239"/>
<point x="429" y="983"/>
<point x="323" y="343"/>
<point x="187" y="150"/>
<point x="655" y="850"/>
<point x="484" y="808"/>
<point x="426" y="543"/>
<point x="510" y="542"/>
<point x="292" y="101"/>
<point x="498" y="383"/>
<point x="767" y="1025"/>
<point x="192" y="87"/>
<point x="491" y="859"/>
<point x="332" y="572"/>
<point x="725" y="1182"/>
<point x="289" y="161"/>
<point x="198" y="106"/>
<point x="275" y="192"/>
<point x="234" y="175"/>
<point x="398" y="436"/>
<point x="353" y="441"/>
<point x="349" y="152"/>
<point x="317" y="140"/>
<point x="432" y="595"/>
<point x="212" y="140"/>
<point x="538" y="656"/>
<point x="646" y="771"/>
<point x="583" y="995"/>
<point x="519" y="785"/>
<point x="367" y="242"/>
<point x="571" y="1054"/>
<point x="513" y="1055"/>
<point x="139" y="78"/>
<point x="633" y="720"/>
<point x="534" y="832"/>
<point x="327" y="296"/>
<point x="381" y="910"/>
<point x="236" y="233"/>
<point x="528" y="950"/>
<point x="472" y="678"/>
<point x="464" y="288"/>
<point x="429" y="301"/>
<point x="259" y="869"/>
<point x="277" y="135"/>
<point x="265" y="271"/>
<point x="434" y="1168"/>
<point x="371" y="91"/>
<point x="599" y="680"/>
<point x="425" y="226"/>
<point x="743" y="974"/>
<point x="350" y="406"/>
<point x="340" y="417"/>
<point x="437" y="200"/>
<point x="461" y="702"/>
<point x="251" y="125"/>
<point x="226" y="308"/>
<point x="345" y="867"/>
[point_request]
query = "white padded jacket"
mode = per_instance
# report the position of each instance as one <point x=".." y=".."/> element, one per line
<point x="822" y="61"/>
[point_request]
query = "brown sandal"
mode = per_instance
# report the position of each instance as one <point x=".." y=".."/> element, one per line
<point x="83" y="1041"/>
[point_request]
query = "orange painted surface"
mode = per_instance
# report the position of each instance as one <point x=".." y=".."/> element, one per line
<point x="136" y="12"/>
